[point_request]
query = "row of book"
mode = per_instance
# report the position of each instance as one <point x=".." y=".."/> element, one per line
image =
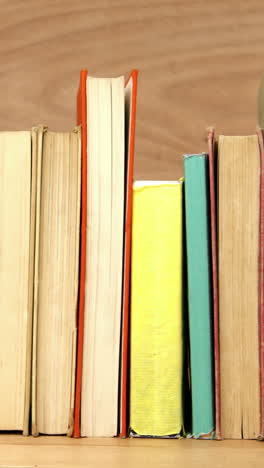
<point x="129" y="308"/>
<point x="197" y="317"/>
<point x="65" y="237"/>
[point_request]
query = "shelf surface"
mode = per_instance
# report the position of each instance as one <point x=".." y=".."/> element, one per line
<point x="56" y="452"/>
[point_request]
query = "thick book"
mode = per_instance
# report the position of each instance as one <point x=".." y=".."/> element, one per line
<point x="56" y="274"/>
<point x="239" y="169"/>
<point x="212" y="157"/>
<point x="104" y="259"/>
<point x="118" y="127"/>
<point x="200" y="310"/>
<point x="156" y="355"/>
<point x="17" y="201"/>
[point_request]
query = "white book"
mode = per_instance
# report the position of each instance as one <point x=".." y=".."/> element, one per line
<point x="104" y="259"/>
<point x="56" y="280"/>
<point x="16" y="269"/>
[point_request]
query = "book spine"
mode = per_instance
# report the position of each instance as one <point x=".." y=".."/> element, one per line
<point x="81" y="120"/>
<point x="156" y="391"/>
<point x="196" y="177"/>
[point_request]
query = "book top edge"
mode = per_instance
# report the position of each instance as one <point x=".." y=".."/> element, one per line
<point x="238" y="137"/>
<point x="195" y="155"/>
<point x="155" y="183"/>
<point x="104" y="78"/>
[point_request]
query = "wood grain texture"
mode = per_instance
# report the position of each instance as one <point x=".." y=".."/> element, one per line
<point x="62" y="452"/>
<point x="200" y="64"/>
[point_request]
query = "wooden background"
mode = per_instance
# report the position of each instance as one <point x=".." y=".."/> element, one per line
<point x="200" y="63"/>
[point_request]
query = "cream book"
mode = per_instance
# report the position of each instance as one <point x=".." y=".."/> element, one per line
<point x="16" y="268"/>
<point x="55" y="280"/>
<point x="104" y="257"/>
<point x="239" y="216"/>
<point x="156" y="373"/>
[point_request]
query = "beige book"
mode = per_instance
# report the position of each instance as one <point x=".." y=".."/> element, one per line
<point x="16" y="269"/>
<point x="104" y="260"/>
<point x="239" y="205"/>
<point x="56" y="280"/>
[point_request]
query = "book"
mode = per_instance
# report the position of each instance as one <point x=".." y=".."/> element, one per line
<point x="197" y="221"/>
<point x="239" y="218"/>
<point x="55" y="280"/>
<point x="156" y="355"/>
<point x="129" y="115"/>
<point x="104" y="260"/>
<point x="16" y="286"/>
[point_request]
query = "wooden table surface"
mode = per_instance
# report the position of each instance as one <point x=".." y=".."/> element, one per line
<point x="200" y="64"/>
<point x="61" y="452"/>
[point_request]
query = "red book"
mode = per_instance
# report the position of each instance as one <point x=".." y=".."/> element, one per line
<point x="130" y="100"/>
<point x="213" y="216"/>
<point x="81" y="120"/>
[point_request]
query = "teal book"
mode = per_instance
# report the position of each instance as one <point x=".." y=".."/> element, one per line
<point x="199" y="284"/>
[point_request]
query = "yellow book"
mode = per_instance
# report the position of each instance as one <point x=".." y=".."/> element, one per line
<point x="156" y="407"/>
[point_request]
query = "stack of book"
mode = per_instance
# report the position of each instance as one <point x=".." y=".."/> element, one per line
<point x="129" y="308"/>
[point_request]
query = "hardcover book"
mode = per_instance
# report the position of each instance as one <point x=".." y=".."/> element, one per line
<point x="107" y="164"/>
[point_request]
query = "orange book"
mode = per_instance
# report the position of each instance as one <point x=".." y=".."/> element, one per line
<point x="130" y="103"/>
<point x="81" y="120"/>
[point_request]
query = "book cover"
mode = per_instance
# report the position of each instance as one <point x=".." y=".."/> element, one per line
<point x="81" y="120"/>
<point x="130" y="103"/>
<point x="196" y="183"/>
